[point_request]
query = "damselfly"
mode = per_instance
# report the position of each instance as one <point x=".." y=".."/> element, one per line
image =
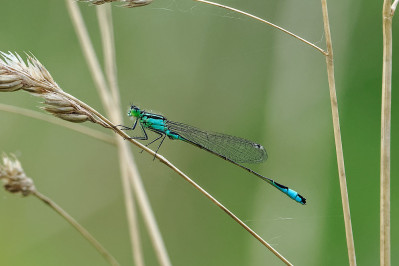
<point x="233" y="149"/>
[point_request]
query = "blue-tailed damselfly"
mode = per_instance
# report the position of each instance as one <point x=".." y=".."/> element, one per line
<point x="233" y="149"/>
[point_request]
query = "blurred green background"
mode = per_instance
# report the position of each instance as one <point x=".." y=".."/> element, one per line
<point x="218" y="71"/>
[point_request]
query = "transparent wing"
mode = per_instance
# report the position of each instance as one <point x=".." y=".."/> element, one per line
<point x="236" y="149"/>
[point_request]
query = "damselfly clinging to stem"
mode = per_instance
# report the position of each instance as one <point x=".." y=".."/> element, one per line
<point x="233" y="149"/>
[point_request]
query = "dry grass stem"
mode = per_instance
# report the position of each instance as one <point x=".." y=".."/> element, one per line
<point x="264" y="21"/>
<point x="106" y="28"/>
<point x="227" y="211"/>
<point x="104" y="15"/>
<point x="393" y="7"/>
<point x="338" y="141"/>
<point x="385" y="160"/>
<point x="111" y="106"/>
<point x="137" y="253"/>
<point x="88" y="52"/>
<point x="16" y="181"/>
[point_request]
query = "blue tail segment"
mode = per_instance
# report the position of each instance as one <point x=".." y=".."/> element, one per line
<point x="290" y="193"/>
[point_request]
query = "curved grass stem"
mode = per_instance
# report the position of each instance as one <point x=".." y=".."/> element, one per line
<point x="264" y="21"/>
<point x="78" y="227"/>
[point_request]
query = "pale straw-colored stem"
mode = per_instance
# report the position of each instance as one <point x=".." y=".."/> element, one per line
<point x="337" y="136"/>
<point x="393" y="7"/>
<point x="113" y="111"/>
<point x="385" y="163"/>
<point x="137" y="252"/>
<point x="78" y="227"/>
<point x="146" y="210"/>
<point x="104" y="15"/>
<point x="264" y="21"/>
<point x="59" y="122"/>
<point x="89" y="53"/>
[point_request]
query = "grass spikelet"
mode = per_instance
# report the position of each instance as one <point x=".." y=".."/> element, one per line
<point x="14" y="177"/>
<point x="33" y="77"/>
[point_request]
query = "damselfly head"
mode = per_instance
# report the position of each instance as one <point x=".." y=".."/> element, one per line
<point x="133" y="111"/>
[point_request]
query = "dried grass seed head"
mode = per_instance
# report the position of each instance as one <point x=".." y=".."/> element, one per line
<point x="34" y="78"/>
<point x="14" y="177"/>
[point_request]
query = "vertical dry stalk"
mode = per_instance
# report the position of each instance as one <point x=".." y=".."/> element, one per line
<point x="106" y="28"/>
<point x="104" y="16"/>
<point x="337" y="135"/>
<point x="113" y="109"/>
<point x="137" y="252"/>
<point x="385" y="219"/>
